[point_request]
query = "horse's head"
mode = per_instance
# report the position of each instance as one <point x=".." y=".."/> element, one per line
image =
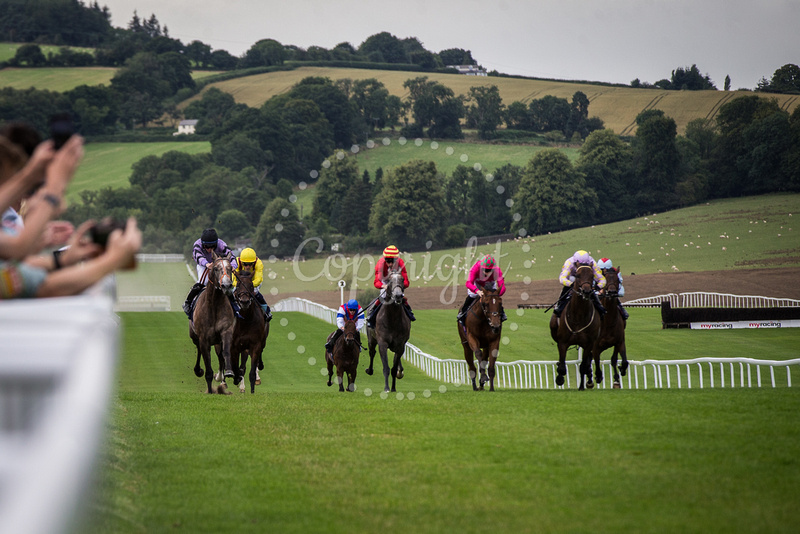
<point x="221" y="275"/>
<point x="349" y="331"/>
<point x="612" y="281"/>
<point x="492" y="303"/>
<point x="394" y="288"/>
<point x="584" y="279"/>
<point x="244" y="293"/>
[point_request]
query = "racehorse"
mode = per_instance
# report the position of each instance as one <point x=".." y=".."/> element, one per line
<point x="213" y="320"/>
<point x="391" y="332"/>
<point x="480" y="335"/>
<point x="579" y="324"/>
<point x="250" y="334"/>
<point x="344" y="356"/>
<point x="612" y="326"/>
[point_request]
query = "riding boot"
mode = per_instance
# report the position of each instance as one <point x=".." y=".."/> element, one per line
<point x="373" y="314"/>
<point x="407" y="308"/>
<point x="193" y="293"/>
<point x="264" y="306"/>
<point x="464" y="307"/>
<point x="503" y="316"/>
<point x="332" y="340"/>
<point x="598" y="305"/>
<point x="563" y="298"/>
<point x="236" y="308"/>
<point x="622" y="311"/>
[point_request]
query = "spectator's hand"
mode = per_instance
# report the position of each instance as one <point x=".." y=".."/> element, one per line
<point x="62" y="167"/>
<point x="57" y="233"/>
<point x="37" y="164"/>
<point x="123" y="246"/>
<point x="80" y="247"/>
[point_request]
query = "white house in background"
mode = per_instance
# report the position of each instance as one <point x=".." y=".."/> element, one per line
<point x="469" y="70"/>
<point x="186" y="127"/>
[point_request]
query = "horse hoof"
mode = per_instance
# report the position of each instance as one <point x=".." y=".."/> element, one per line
<point x="400" y="374"/>
<point x="617" y="385"/>
<point x="228" y="374"/>
<point x="198" y="372"/>
<point x="559" y="380"/>
<point x="590" y="385"/>
<point x="368" y="370"/>
<point x="258" y="381"/>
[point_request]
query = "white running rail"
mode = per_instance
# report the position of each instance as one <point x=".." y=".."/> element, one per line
<point x="701" y="299"/>
<point x="522" y="374"/>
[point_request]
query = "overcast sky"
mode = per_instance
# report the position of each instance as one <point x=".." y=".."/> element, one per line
<point x="596" y="40"/>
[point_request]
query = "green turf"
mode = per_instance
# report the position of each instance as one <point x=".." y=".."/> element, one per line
<point x="110" y="164"/>
<point x="301" y="457"/>
<point x="57" y="79"/>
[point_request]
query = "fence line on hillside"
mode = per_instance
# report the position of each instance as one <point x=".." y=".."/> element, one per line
<point x="703" y="299"/>
<point x="522" y="374"/>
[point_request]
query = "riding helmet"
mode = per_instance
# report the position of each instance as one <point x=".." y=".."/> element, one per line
<point x="581" y="256"/>
<point x="391" y="252"/>
<point x="487" y="261"/>
<point x="209" y="237"/>
<point x="604" y="263"/>
<point x="248" y="255"/>
<point x="352" y="304"/>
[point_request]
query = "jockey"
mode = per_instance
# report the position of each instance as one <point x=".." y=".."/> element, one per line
<point x="567" y="277"/>
<point x="248" y="261"/>
<point x="390" y="261"/>
<point x="482" y="273"/>
<point x="203" y="253"/>
<point x="352" y="311"/>
<point x="604" y="264"/>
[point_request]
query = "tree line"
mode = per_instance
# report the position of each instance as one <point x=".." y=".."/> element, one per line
<point x="258" y="156"/>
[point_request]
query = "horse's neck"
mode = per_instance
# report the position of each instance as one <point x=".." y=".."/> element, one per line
<point x="610" y="304"/>
<point x="578" y="306"/>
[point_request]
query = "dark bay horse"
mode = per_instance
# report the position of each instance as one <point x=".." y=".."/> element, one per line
<point x="579" y="324"/>
<point x="612" y="326"/>
<point x="481" y="335"/>
<point x="344" y="356"/>
<point x="250" y="334"/>
<point x="391" y="332"/>
<point x="213" y="320"/>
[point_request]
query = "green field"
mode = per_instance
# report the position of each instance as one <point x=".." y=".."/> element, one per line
<point x="300" y="457"/>
<point x="58" y="79"/>
<point x="9" y="50"/>
<point x="110" y="164"/>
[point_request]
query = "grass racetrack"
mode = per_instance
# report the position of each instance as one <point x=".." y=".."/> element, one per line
<point x="301" y="457"/>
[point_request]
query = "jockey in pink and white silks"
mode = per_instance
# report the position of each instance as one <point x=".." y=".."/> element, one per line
<point x="567" y="277"/>
<point x="484" y="272"/>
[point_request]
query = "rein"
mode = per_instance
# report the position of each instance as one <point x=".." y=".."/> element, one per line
<point x="582" y="295"/>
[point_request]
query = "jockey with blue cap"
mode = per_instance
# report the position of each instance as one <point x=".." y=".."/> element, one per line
<point x="605" y="264"/>
<point x="349" y="311"/>
<point x="567" y="277"/>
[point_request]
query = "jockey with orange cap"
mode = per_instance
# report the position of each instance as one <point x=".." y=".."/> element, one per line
<point x="390" y="261"/>
<point x="248" y="261"/>
<point x="484" y="271"/>
<point x="567" y="277"/>
<point x="604" y="264"/>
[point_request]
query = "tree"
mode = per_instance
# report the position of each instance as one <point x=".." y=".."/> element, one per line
<point x="785" y="80"/>
<point x="578" y="115"/>
<point x="549" y="113"/>
<point x="517" y="116"/>
<point x="211" y="111"/>
<point x="606" y="161"/>
<point x="371" y="98"/>
<point x="456" y="56"/>
<point x="279" y="231"/>
<point x="690" y="79"/>
<point x="237" y="151"/>
<point x="333" y="104"/>
<point x="384" y="48"/>
<point x="486" y="111"/>
<point x="264" y="53"/>
<point x="29" y="55"/>
<point x="552" y="195"/>
<point x="435" y="106"/>
<point x="199" y="53"/>
<point x="727" y="82"/>
<point x="337" y="177"/>
<point x="233" y="223"/>
<point x="656" y="161"/>
<point x="408" y="210"/>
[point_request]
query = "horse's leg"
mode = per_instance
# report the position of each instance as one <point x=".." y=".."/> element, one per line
<point x="330" y="369"/>
<point x="218" y="376"/>
<point x="623" y="369"/>
<point x="209" y="374"/>
<point x="351" y="379"/>
<point x="255" y="357"/>
<point x="614" y="368"/>
<point x="483" y="361"/>
<point x="227" y="341"/>
<point x="586" y="369"/>
<point x="561" y="366"/>
<point x="340" y="377"/>
<point x="598" y="369"/>
<point x="371" y="342"/>
<point x="198" y="371"/>
<point x="397" y="368"/>
<point x="492" y="367"/>
<point x="382" y="348"/>
<point x="470" y="357"/>
<point x="241" y="367"/>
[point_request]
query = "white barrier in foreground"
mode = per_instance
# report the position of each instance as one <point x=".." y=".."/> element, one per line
<point x="57" y="359"/>
<point x="521" y="374"/>
<point x="702" y="299"/>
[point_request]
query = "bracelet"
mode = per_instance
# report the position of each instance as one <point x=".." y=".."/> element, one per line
<point x="52" y="200"/>
<point x="56" y="259"/>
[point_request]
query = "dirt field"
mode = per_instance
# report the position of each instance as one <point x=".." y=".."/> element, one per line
<point x="781" y="283"/>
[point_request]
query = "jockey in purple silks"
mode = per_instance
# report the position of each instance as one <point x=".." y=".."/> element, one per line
<point x="203" y="254"/>
<point x="567" y="277"/>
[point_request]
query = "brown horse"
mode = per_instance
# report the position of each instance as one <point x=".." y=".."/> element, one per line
<point x="579" y="324"/>
<point x="391" y="332"/>
<point x="213" y="320"/>
<point x="250" y="334"/>
<point x="481" y="335"/>
<point x="612" y="326"/>
<point x="344" y="356"/>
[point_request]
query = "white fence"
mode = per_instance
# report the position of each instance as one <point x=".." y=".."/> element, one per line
<point x="160" y="258"/>
<point x="57" y="359"/>
<point x="521" y="374"/>
<point x="713" y="300"/>
<point x="141" y="304"/>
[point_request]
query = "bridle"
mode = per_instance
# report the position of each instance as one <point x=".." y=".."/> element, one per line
<point x="585" y="296"/>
